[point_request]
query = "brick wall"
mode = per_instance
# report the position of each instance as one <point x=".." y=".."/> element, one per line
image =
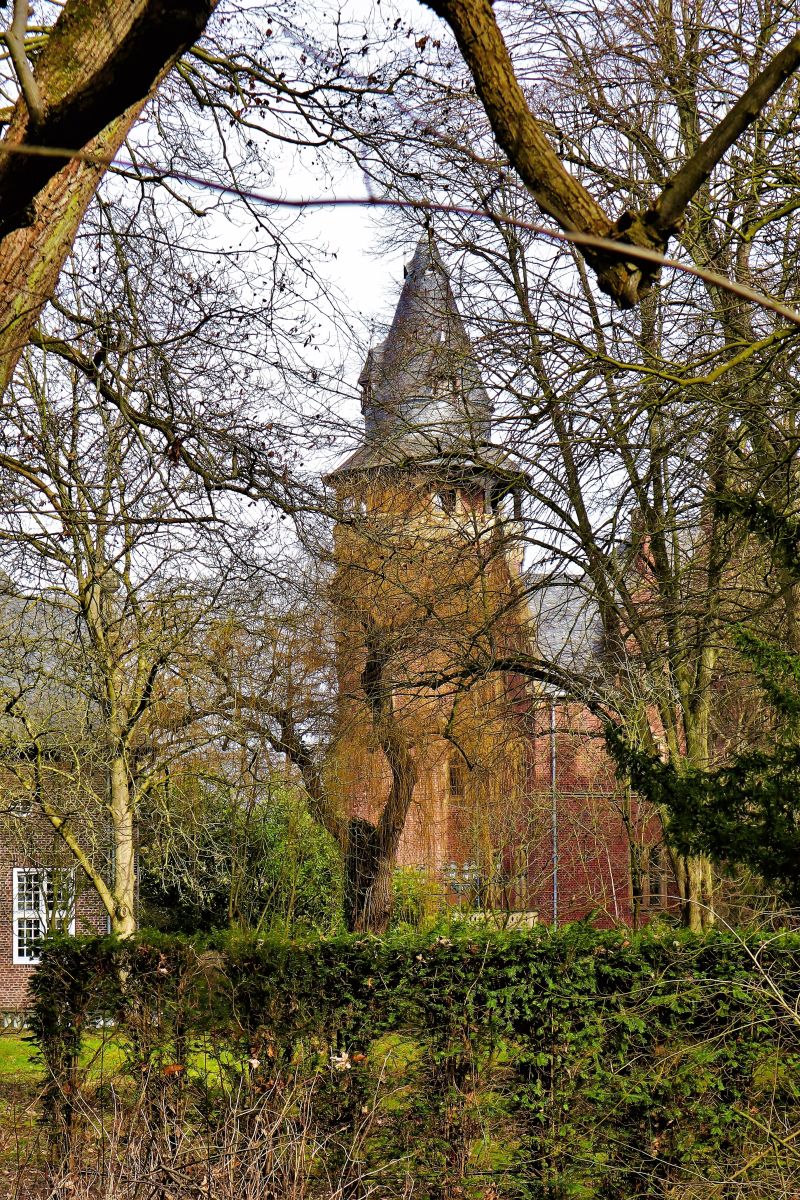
<point x="598" y="829"/>
<point x="502" y="829"/>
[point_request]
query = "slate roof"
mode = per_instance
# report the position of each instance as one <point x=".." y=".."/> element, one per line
<point x="568" y="627"/>
<point x="422" y="396"/>
<point x="30" y="630"/>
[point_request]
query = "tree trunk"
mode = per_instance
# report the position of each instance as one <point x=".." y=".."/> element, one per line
<point x="695" y="888"/>
<point x="123" y="919"/>
<point x="94" y="75"/>
<point x="709" y="915"/>
<point x="370" y="849"/>
<point x="692" y="900"/>
<point x="31" y="258"/>
<point x="697" y="895"/>
<point x="368" y="879"/>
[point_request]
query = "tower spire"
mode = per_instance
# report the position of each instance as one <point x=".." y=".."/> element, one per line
<point x="422" y="393"/>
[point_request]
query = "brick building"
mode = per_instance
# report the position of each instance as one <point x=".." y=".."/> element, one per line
<point x="516" y="805"/>
<point x="40" y="889"/>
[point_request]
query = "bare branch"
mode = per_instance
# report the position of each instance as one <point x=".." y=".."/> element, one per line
<point x="94" y="75"/>
<point x="15" y="40"/>
<point x="668" y="210"/>
<point x="522" y="138"/>
<point x="564" y="198"/>
<point x="95" y="66"/>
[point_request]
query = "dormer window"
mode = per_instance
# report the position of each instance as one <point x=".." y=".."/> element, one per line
<point x="353" y="507"/>
<point x="502" y="505"/>
<point x="445" y="386"/>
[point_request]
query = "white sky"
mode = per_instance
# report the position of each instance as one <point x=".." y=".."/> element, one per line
<point x="369" y="277"/>
<point x="346" y="245"/>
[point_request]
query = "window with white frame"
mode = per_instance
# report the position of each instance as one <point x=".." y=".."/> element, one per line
<point x="44" y="900"/>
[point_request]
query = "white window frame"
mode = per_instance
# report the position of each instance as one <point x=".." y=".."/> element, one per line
<point x="37" y="912"/>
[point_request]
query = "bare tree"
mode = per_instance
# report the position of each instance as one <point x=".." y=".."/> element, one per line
<point x="634" y="433"/>
<point x="120" y="537"/>
<point x="523" y="138"/>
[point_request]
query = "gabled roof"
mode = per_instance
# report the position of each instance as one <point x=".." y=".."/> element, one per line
<point x="422" y="396"/>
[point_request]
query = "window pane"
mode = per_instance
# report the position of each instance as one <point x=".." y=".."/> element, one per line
<point x="457" y="779"/>
<point x="43" y="899"/>
<point x="57" y="892"/>
<point x="28" y="892"/>
<point x="29" y="933"/>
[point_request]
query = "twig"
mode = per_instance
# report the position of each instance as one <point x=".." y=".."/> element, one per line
<point x="678" y="191"/>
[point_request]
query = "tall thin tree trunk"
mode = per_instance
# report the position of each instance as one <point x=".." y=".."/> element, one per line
<point x="698" y="909"/>
<point x="693" y="894"/>
<point x="709" y="915"/>
<point x="123" y="920"/>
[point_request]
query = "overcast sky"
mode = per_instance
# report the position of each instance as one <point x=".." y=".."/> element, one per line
<point x="370" y="278"/>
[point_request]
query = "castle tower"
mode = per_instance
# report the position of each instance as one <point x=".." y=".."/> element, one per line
<point x="427" y="597"/>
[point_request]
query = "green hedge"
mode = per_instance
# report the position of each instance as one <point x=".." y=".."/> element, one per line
<point x="520" y="1063"/>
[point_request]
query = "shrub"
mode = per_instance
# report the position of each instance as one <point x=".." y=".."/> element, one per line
<point x="537" y="1063"/>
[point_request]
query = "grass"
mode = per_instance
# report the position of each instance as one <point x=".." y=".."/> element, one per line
<point x="17" y="1056"/>
<point x="18" y="1062"/>
<point x="20" y="1076"/>
<point x="101" y="1056"/>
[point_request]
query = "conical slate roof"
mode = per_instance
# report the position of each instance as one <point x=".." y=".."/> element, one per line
<point x="422" y="396"/>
